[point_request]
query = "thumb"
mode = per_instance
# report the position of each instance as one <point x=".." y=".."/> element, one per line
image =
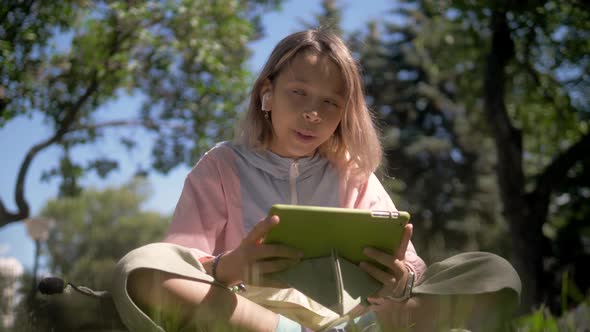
<point x="261" y="229"/>
<point x="406" y="235"/>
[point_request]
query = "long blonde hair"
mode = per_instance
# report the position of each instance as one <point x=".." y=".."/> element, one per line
<point x="355" y="144"/>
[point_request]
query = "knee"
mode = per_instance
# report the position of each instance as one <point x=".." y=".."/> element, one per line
<point x="507" y="276"/>
<point x="154" y="288"/>
<point x="144" y="286"/>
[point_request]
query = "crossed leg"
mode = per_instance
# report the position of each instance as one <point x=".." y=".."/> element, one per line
<point x="177" y="303"/>
<point x="431" y="313"/>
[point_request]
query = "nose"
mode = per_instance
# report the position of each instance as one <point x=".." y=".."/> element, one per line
<point x="312" y="116"/>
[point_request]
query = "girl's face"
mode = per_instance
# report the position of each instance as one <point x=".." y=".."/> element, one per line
<point x="307" y="102"/>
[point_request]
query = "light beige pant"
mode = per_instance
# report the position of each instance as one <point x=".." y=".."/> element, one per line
<point x="464" y="274"/>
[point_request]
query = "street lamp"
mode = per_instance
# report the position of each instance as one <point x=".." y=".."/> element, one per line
<point x="38" y="229"/>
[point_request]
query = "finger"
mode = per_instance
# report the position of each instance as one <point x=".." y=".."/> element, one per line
<point x="399" y="269"/>
<point x="380" y="275"/>
<point x="380" y="256"/>
<point x="260" y="229"/>
<point x="405" y="241"/>
<point x="276" y="251"/>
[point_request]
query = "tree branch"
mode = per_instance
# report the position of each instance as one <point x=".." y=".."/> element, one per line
<point x="65" y="126"/>
<point x="555" y="173"/>
<point x="116" y="123"/>
<point x="23" y="208"/>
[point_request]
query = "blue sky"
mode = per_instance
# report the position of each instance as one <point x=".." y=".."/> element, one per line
<point x="19" y="135"/>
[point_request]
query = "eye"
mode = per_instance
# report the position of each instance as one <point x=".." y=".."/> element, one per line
<point x="298" y="92"/>
<point x="331" y="103"/>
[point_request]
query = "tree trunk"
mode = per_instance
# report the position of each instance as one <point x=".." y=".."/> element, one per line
<point x="525" y="224"/>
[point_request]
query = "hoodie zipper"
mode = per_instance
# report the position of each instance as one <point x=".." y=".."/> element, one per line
<point x="293" y="174"/>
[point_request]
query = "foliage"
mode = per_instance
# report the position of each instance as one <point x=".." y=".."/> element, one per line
<point x="438" y="165"/>
<point x="536" y="56"/>
<point x="64" y="60"/>
<point x="329" y="18"/>
<point x="541" y="320"/>
<point x="27" y="28"/>
<point x="7" y="298"/>
<point x="484" y="113"/>
<point x="95" y="230"/>
<point x="25" y="311"/>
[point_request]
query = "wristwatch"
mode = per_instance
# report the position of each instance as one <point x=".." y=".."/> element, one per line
<point x="407" y="290"/>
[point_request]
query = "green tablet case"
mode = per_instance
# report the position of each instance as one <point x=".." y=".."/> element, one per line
<point x="332" y="240"/>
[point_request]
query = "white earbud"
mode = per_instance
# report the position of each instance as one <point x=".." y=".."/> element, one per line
<point x="264" y="106"/>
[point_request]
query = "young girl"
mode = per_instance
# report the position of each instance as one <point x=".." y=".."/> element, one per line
<point x="307" y="138"/>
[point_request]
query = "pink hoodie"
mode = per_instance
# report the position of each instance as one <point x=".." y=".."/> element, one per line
<point x="232" y="188"/>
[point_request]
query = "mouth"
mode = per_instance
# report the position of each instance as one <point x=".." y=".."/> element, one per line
<point x="305" y="135"/>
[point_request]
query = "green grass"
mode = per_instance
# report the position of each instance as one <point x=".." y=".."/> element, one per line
<point x="541" y="320"/>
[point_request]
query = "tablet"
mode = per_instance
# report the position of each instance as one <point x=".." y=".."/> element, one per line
<point x="317" y="230"/>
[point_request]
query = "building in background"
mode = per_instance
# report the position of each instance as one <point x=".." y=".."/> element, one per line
<point x="11" y="271"/>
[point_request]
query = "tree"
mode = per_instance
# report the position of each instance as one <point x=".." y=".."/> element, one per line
<point x="521" y="36"/>
<point x="186" y="59"/>
<point x="436" y="165"/>
<point x="329" y="18"/>
<point x="96" y="229"/>
<point x="452" y="76"/>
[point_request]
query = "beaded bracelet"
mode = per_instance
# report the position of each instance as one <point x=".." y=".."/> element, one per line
<point x="240" y="287"/>
<point x="214" y="266"/>
<point x="237" y="288"/>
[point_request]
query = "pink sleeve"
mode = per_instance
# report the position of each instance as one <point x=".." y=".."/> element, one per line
<point x="201" y="212"/>
<point x="371" y="195"/>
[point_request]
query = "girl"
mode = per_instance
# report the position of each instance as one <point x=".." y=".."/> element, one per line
<point x="307" y="138"/>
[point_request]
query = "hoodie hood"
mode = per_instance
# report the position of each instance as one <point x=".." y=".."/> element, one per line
<point x="277" y="166"/>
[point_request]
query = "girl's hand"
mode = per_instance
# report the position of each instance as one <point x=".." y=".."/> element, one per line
<point x="252" y="258"/>
<point x="395" y="277"/>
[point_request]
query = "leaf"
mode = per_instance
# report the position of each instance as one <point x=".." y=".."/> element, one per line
<point x="102" y="166"/>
